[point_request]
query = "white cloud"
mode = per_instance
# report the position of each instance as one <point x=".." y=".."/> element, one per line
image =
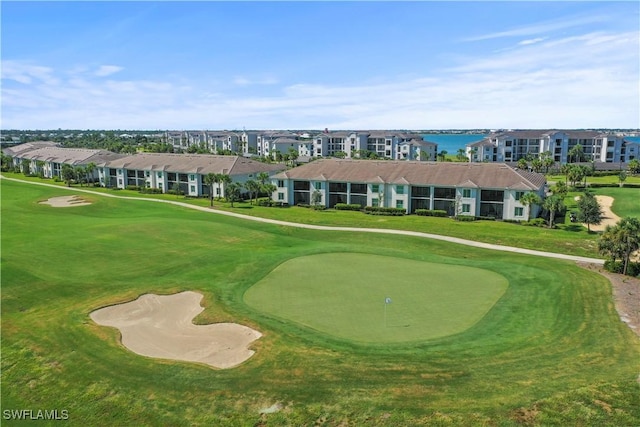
<point x="532" y="41"/>
<point x="589" y="80"/>
<point x="107" y="70"/>
<point x="542" y="27"/>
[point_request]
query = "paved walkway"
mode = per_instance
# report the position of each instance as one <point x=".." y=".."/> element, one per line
<point x="330" y="228"/>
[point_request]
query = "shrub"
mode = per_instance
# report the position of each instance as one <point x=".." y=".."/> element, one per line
<point x="303" y="205"/>
<point x="57" y="179"/>
<point x="347" y="207"/>
<point x="379" y="210"/>
<point x="633" y="268"/>
<point x="602" y="185"/>
<point x="465" y="218"/>
<point x="536" y="222"/>
<point x="486" y="218"/>
<point x="431" y="212"/>
<point x="132" y="188"/>
<point x="145" y="190"/>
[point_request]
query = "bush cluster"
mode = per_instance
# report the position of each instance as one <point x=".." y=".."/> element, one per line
<point x="633" y="268"/>
<point x="379" y="210"/>
<point x="268" y="203"/>
<point x="347" y="207"/>
<point x="431" y="212"/>
<point x="536" y="222"/>
<point x="465" y="218"/>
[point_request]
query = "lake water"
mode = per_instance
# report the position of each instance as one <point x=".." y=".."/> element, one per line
<point x="451" y="143"/>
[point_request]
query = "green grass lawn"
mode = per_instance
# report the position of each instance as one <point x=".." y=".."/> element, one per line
<point x="626" y="201"/>
<point x="552" y="350"/>
<point x="345" y="295"/>
<point x="567" y="238"/>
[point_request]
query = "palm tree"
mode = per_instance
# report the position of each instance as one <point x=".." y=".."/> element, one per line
<point x="561" y="189"/>
<point x="442" y="155"/>
<point x="553" y="204"/>
<point x="222" y="180"/>
<point x="68" y="174"/>
<point x="232" y="191"/>
<point x="253" y="187"/>
<point x="90" y="168"/>
<point x="461" y="155"/>
<point x="576" y="153"/>
<point x="210" y="179"/>
<point x="528" y="200"/>
<point x="621" y="240"/>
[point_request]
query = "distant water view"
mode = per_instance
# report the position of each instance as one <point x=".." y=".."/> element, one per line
<point x="452" y="142"/>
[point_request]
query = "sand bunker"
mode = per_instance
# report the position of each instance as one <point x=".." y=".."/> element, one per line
<point x="161" y="326"/>
<point x="65" y="202"/>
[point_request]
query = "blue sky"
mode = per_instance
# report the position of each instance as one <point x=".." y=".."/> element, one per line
<point x="311" y="65"/>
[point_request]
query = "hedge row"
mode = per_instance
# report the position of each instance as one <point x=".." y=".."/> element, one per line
<point x="379" y="210"/>
<point x="347" y="207"/>
<point x="430" y="212"/>
<point x="272" y="203"/>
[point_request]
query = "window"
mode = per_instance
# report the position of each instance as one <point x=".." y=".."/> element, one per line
<point x="192" y="189"/>
<point x="159" y="174"/>
<point x="146" y="173"/>
<point x="519" y="212"/>
<point x="466" y="193"/>
<point x="280" y="183"/>
<point x="375" y="202"/>
<point x="318" y="185"/>
<point x="218" y="191"/>
<point x="192" y="177"/>
<point x="399" y="189"/>
<point x="466" y="208"/>
<point x="519" y="194"/>
<point x="375" y="188"/>
<point x="120" y="181"/>
<point x="399" y="203"/>
<point x="280" y="196"/>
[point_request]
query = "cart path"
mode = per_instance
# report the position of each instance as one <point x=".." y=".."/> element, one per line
<point x="332" y="228"/>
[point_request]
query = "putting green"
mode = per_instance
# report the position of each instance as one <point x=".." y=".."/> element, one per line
<point x="345" y="295"/>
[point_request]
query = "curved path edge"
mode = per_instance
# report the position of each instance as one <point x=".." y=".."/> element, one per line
<point x="332" y="228"/>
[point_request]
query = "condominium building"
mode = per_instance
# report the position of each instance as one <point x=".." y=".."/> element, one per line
<point x="511" y="146"/>
<point x="474" y="189"/>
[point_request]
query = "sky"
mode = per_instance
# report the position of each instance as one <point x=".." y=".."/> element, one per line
<point x="211" y="65"/>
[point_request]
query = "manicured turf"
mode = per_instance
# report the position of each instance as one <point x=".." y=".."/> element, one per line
<point x="551" y="351"/>
<point x="345" y="295"/>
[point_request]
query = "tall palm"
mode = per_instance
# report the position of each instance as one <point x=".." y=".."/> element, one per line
<point x="233" y="191"/>
<point x="210" y="179"/>
<point x="223" y="180"/>
<point x="90" y="168"/>
<point x="528" y="200"/>
<point x="253" y="187"/>
<point x="621" y="240"/>
<point x="553" y="204"/>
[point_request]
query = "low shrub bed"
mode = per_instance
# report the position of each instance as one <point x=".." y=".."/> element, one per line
<point x="378" y="210"/>
<point x="431" y="212"/>
<point x="347" y="207"/>
<point x="465" y="218"/>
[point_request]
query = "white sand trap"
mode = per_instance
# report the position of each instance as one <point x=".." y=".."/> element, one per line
<point x="65" y="202"/>
<point x="608" y="217"/>
<point x="161" y="326"/>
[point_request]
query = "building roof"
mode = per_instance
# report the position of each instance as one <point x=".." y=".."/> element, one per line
<point x="71" y="156"/>
<point x="448" y="174"/>
<point x="16" y="150"/>
<point x="193" y="163"/>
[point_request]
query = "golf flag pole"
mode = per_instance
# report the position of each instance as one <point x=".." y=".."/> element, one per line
<point x="387" y="301"/>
